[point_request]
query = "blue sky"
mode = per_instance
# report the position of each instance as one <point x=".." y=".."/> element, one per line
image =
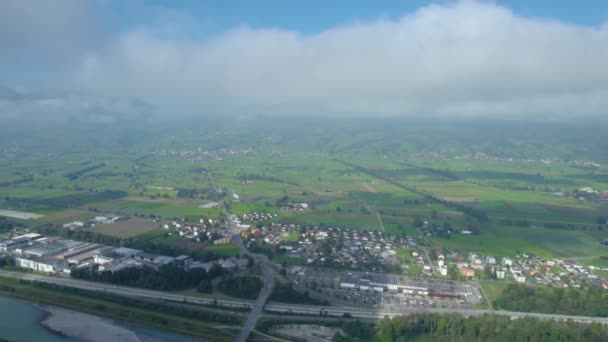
<point x="205" y="19"/>
<point x="439" y="58"/>
<point x="317" y="15"/>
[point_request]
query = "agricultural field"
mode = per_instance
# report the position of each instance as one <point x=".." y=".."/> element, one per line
<point x="512" y="240"/>
<point x="126" y="229"/>
<point x="224" y="250"/>
<point x="371" y="177"/>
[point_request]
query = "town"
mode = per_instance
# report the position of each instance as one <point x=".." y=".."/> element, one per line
<point x="319" y="247"/>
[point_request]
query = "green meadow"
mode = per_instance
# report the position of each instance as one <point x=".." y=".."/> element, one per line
<point x="349" y="177"/>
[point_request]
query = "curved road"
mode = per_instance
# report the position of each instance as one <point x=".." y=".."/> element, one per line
<point x="268" y="278"/>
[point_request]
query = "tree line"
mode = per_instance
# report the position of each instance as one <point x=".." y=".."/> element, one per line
<point x="182" y="311"/>
<point x="592" y="302"/>
<point x="478" y="214"/>
<point x="76" y="174"/>
<point x="456" y="327"/>
<point x="285" y="293"/>
<point x="246" y="287"/>
<point x="165" y="278"/>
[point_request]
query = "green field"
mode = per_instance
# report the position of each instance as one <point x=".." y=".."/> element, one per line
<point x="349" y="176"/>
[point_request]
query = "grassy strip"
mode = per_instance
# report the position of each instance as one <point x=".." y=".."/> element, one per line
<point x="15" y="288"/>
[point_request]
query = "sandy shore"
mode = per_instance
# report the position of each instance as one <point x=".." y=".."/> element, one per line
<point x="85" y="327"/>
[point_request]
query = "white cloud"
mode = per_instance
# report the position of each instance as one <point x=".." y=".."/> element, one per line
<point x="43" y="34"/>
<point x="67" y="108"/>
<point x="462" y="59"/>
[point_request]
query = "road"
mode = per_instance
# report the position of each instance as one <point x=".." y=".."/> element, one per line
<point x="268" y="278"/>
<point x="483" y="293"/>
<point x="261" y="261"/>
<point x="358" y="312"/>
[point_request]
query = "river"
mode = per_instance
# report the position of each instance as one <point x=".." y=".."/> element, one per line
<point x="23" y="321"/>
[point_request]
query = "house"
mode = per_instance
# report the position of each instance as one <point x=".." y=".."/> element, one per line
<point x="41" y="265"/>
<point x="163" y="260"/>
<point x="8" y="245"/>
<point x="100" y="219"/>
<point x="183" y="260"/>
<point x="204" y="265"/>
<point x="148" y="257"/>
<point x="467" y="272"/>
<point x="44" y="250"/>
<point x="222" y="241"/>
<point x="102" y="259"/>
<point x="234" y="263"/>
<point x="74" y="225"/>
<point x="111" y="255"/>
<point x="299" y="270"/>
<point x="500" y="273"/>
<point x="127" y="252"/>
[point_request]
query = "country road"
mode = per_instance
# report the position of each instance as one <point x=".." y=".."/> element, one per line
<point x="358" y="312"/>
<point x="261" y="261"/>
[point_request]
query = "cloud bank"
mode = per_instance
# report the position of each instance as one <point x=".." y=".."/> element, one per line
<point x="463" y="59"/>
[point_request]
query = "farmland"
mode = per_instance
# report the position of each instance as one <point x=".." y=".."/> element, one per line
<point x="521" y="198"/>
<point x="125" y="229"/>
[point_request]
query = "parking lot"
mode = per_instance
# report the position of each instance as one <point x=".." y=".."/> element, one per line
<point x="385" y="290"/>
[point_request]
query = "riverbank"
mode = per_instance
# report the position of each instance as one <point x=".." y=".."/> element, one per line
<point x="178" y="320"/>
<point x="84" y="326"/>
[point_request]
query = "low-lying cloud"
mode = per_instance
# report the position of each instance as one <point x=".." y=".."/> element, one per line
<point x="465" y="59"/>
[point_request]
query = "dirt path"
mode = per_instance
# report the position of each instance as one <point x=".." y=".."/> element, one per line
<point x="369" y="187"/>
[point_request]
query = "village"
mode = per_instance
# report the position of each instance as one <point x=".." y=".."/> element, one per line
<point x="325" y="249"/>
<point x="374" y="251"/>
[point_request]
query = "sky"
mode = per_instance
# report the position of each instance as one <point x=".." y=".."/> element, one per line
<point x="541" y="60"/>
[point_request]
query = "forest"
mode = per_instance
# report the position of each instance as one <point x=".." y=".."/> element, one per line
<point x="166" y="278"/>
<point x="246" y="287"/>
<point x="593" y="302"/>
<point x="455" y="327"/>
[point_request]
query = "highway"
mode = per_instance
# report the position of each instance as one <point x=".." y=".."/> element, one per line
<point x="358" y="312"/>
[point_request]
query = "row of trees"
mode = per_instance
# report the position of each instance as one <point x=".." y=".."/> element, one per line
<point x="246" y="287"/>
<point x="285" y="293"/>
<point x="593" y="302"/>
<point x="178" y="310"/>
<point x="6" y="225"/>
<point x="165" y="278"/>
<point x="6" y="261"/>
<point x="455" y="327"/>
<point x="76" y="174"/>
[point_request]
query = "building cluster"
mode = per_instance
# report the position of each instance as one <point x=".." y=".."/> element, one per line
<point x="102" y="219"/>
<point x="294" y="206"/>
<point x="205" y="230"/>
<point x="331" y="246"/>
<point x="59" y="255"/>
<point x="591" y="194"/>
<point x="560" y="272"/>
<point x="205" y="155"/>
<point x="376" y="288"/>
<point x="257" y="217"/>
<point x="525" y="269"/>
